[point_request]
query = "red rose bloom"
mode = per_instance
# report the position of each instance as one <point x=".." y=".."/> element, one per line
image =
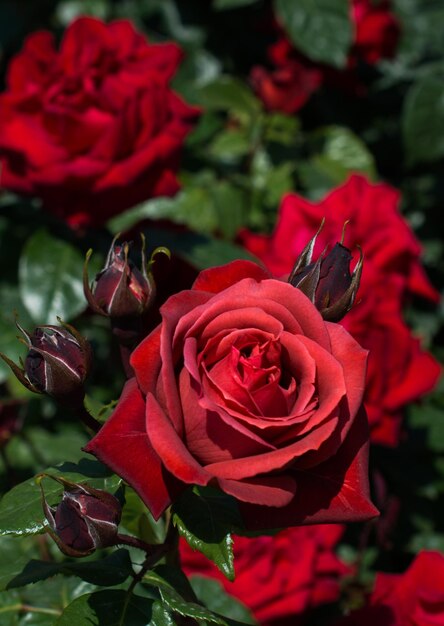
<point x="279" y="577"/>
<point x="245" y="387"/>
<point x="415" y="598"/>
<point x="288" y="87"/>
<point x="294" y="78"/>
<point x="377" y="31"/>
<point x="399" y="371"/>
<point x="93" y="128"/>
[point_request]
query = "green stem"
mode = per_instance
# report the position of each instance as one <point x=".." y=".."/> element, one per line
<point x="30" y="609"/>
<point x="155" y="552"/>
<point x="135" y="542"/>
<point x="89" y="421"/>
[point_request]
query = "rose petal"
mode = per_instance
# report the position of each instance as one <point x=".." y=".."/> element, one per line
<point x="142" y="468"/>
<point x="336" y="491"/>
<point x="170" y="448"/>
<point x="208" y="436"/>
<point x="216" y="279"/>
<point x="270" y="491"/>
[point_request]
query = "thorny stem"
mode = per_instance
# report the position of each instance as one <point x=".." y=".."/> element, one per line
<point x="154" y="551"/>
<point x="135" y="542"/>
<point x="154" y="554"/>
<point x="89" y="421"/>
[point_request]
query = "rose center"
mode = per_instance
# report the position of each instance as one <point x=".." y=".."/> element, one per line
<point x="252" y="376"/>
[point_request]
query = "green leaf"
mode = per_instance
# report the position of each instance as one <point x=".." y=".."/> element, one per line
<point x="211" y="593"/>
<point x="321" y="29"/>
<point x="343" y="148"/>
<point x="41" y="603"/>
<point x="421" y="33"/>
<point x="197" y="69"/>
<point x="137" y="519"/>
<point x="208" y="125"/>
<point x="50" y="273"/>
<point x="206" y="518"/>
<point x="229" y="94"/>
<point x="191" y="207"/>
<point x="230" y="207"/>
<point x="171" y="584"/>
<point x="229" y="146"/>
<point x="423" y="120"/>
<point x="114" y="569"/>
<point x="223" y="5"/>
<point x="161" y="615"/>
<point x="280" y="128"/>
<point x="21" y="510"/>
<point x="107" y="608"/>
<point x="337" y="153"/>
<point x="279" y="181"/>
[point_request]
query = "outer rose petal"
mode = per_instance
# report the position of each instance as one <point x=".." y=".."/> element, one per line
<point x="335" y="491"/>
<point x="141" y="467"/>
<point x="216" y="279"/>
<point x="170" y="447"/>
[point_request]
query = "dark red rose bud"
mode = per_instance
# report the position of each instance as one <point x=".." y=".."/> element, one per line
<point x="85" y="519"/>
<point x="121" y="290"/>
<point x="57" y="363"/>
<point x="328" y="282"/>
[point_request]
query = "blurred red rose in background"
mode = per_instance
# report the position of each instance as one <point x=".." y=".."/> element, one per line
<point x="415" y="598"/>
<point x="245" y="387"/>
<point x="289" y="86"/>
<point x="399" y="371"/>
<point x="94" y="127"/>
<point x="377" y="31"/>
<point x="279" y="577"/>
<point x="293" y="78"/>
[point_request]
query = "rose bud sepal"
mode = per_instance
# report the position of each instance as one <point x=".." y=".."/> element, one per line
<point x="328" y="281"/>
<point x="84" y="520"/>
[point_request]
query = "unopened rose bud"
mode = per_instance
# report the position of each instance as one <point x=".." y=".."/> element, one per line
<point x="328" y="281"/>
<point x="121" y="290"/>
<point x="85" y="519"/>
<point x="57" y="363"/>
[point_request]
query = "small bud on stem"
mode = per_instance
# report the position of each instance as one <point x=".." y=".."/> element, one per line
<point x="123" y="293"/>
<point x="328" y="281"/>
<point x="84" y="520"/>
<point x="57" y="363"/>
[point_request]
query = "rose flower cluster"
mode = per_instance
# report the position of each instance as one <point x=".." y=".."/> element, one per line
<point x="293" y="79"/>
<point x="280" y="578"/>
<point x="261" y="383"/>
